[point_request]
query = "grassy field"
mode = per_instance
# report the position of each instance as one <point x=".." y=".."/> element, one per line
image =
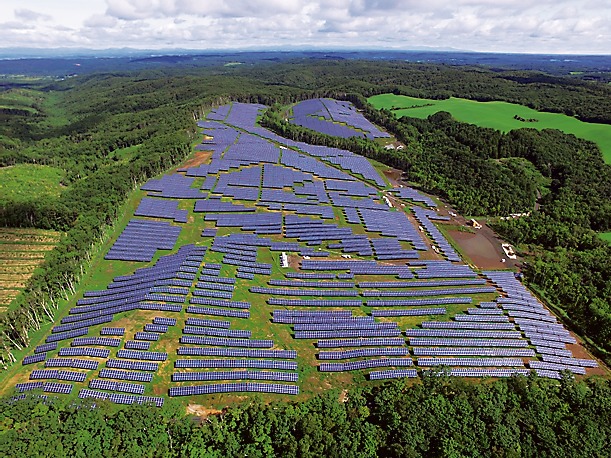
<point x="497" y="115"/>
<point x="606" y="236"/>
<point x="25" y="182"/>
<point x="21" y="251"/>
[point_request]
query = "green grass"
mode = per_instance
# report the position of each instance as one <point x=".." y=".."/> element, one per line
<point x="497" y="115"/>
<point x="24" y="182"/>
<point x="606" y="236"/>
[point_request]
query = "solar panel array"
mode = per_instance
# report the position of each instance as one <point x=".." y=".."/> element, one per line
<point x="161" y="208"/>
<point x="254" y="188"/>
<point x="141" y="239"/>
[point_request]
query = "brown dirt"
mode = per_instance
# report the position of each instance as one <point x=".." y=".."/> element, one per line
<point x="201" y="411"/>
<point x="294" y="261"/>
<point x="198" y="159"/>
<point x="580" y="352"/>
<point x="394" y="176"/>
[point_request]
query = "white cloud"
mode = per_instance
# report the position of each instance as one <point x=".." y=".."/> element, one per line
<point x="23" y="14"/>
<point x="563" y="26"/>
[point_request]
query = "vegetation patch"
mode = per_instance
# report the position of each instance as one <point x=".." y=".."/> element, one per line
<point x="26" y="182"/>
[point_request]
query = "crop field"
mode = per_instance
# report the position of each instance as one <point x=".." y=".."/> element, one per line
<point x="21" y="251"/>
<point x="283" y="269"/>
<point x="497" y="115"/>
<point x="24" y="182"/>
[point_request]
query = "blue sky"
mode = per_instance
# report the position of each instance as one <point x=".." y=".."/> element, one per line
<point x="544" y="26"/>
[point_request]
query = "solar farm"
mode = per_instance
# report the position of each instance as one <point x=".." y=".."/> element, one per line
<point x="284" y="268"/>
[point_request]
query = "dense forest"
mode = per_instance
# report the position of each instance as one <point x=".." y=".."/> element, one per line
<point x="441" y="417"/>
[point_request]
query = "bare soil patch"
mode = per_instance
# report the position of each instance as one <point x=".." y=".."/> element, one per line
<point x="198" y="159"/>
<point x="201" y="411"/>
<point x="483" y="248"/>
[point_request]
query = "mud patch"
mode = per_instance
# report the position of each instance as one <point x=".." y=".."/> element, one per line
<point x="480" y="249"/>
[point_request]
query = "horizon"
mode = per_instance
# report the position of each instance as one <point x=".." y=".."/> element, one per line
<point x="68" y="52"/>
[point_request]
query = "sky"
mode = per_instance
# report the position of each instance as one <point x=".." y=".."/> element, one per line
<point x="522" y="26"/>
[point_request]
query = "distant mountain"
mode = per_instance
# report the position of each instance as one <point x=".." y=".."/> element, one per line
<point x="62" y="62"/>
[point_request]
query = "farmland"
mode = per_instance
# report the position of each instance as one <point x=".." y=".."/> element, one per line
<point x="497" y="115"/>
<point x="202" y="245"/>
<point x="21" y="251"/>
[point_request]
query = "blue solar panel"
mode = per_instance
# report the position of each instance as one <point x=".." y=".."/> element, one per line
<point x="364" y="364"/>
<point x="389" y="374"/>
<point x="236" y="363"/>
<point x="234" y="387"/>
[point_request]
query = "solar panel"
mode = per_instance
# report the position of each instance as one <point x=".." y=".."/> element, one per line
<point x="389" y="374"/>
<point x="125" y="375"/>
<point x="234" y="375"/>
<point x="364" y="364"/>
<point x="236" y="363"/>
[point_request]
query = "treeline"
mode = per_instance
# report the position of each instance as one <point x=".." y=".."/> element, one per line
<point x="442" y="417"/>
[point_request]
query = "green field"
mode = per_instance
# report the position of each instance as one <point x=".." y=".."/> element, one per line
<point x="496" y="115"/>
<point x="606" y="236"/>
<point x="25" y="182"/>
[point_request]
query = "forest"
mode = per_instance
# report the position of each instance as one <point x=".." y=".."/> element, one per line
<point x="111" y="132"/>
<point x="441" y="417"/>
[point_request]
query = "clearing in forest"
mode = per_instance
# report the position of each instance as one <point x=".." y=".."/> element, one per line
<point x="27" y="182"/>
<point x="284" y="269"/>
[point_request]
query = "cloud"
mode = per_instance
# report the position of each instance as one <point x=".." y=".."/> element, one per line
<point x="562" y="26"/>
<point x="31" y="16"/>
